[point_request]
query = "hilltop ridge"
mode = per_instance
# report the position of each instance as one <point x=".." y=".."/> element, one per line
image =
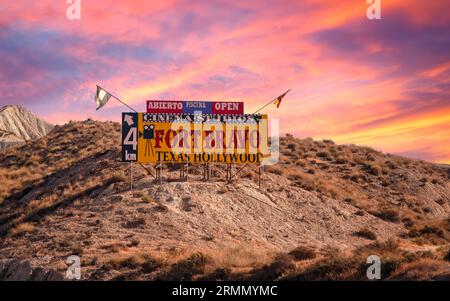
<point x="322" y="201"/>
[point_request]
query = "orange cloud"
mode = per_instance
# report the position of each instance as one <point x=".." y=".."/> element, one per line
<point x="381" y="83"/>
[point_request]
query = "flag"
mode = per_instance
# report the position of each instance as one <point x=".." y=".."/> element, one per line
<point x="278" y="100"/>
<point x="101" y="97"/>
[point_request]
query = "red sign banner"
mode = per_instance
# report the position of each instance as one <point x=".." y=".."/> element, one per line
<point x="223" y="107"/>
<point x="192" y="107"/>
<point x="165" y="106"/>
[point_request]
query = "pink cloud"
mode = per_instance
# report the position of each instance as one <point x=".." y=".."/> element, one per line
<point x="352" y="80"/>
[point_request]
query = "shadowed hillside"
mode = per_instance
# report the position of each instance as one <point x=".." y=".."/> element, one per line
<point x="321" y="211"/>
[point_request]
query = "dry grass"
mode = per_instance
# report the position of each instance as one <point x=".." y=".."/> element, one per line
<point x="56" y="171"/>
<point x="302" y="263"/>
<point x="395" y="265"/>
<point x="145" y="262"/>
<point x="447" y="256"/>
<point x="186" y="269"/>
<point x="422" y="270"/>
<point x="239" y="257"/>
<point x="333" y="266"/>
<point x="147" y="199"/>
<point x="303" y="253"/>
<point x="22" y="229"/>
<point x="274" y="169"/>
<point x="161" y="208"/>
<point x="113" y="247"/>
<point x="281" y="266"/>
<point x="390" y="215"/>
<point x="366" y="233"/>
<point x="222" y="190"/>
<point x="135" y="222"/>
<point x="434" y="232"/>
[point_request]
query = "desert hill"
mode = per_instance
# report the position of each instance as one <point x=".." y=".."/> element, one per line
<point x="17" y="125"/>
<point x="8" y="139"/>
<point x="321" y="210"/>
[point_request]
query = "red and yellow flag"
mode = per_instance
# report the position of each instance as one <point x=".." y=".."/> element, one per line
<point x="278" y="100"/>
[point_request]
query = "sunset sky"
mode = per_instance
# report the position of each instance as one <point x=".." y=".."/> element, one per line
<point x="382" y="83"/>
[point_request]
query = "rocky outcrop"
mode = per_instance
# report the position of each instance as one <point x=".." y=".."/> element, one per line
<point x="8" y="139"/>
<point x="13" y="270"/>
<point x="18" y="125"/>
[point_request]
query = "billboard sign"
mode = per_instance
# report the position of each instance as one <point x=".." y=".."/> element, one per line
<point x="191" y="107"/>
<point x="178" y="138"/>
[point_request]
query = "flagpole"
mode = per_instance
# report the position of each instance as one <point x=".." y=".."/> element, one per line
<point x="242" y="168"/>
<point x="118" y="99"/>
<point x="272" y="101"/>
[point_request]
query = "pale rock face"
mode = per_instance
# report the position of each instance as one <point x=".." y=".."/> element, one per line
<point x="18" y="125"/>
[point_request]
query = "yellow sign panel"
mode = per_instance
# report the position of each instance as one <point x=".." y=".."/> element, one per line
<point x="183" y="138"/>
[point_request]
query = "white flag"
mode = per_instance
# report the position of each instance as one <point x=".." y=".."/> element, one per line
<point x="101" y="97"/>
